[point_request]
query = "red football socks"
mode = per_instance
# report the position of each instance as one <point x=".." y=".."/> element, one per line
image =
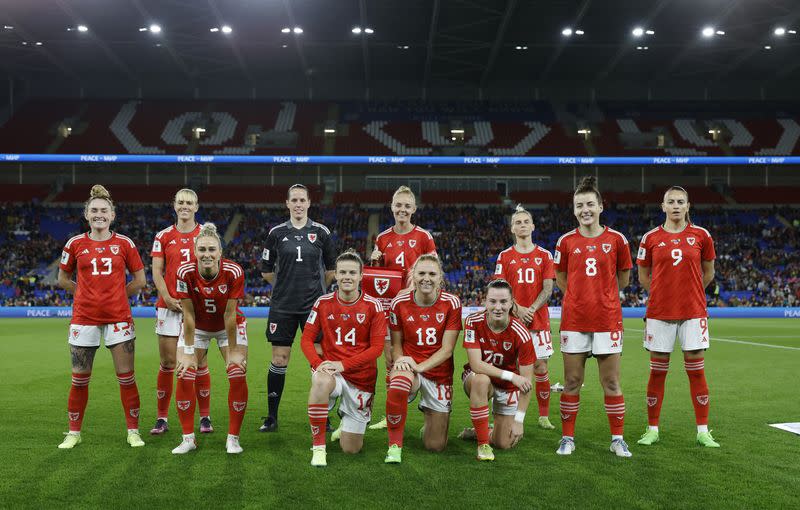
<point x="480" y="420"/>
<point x="397" y="408"/>
<point x="202" y="385"/>
<point x="164" y="390"/>
<point x="543" y="393"/>
<point x="237" y="398"/>
<point x="698" y="387"/>
<point x="185" y="400"/>
<point x="655" y="389"/>
<point x="78" y="397"/>
<point x="317" y="416"/>
<point x="615" y="409"/>
<point x="129" y="394"/>
<point x="569" y="413"/>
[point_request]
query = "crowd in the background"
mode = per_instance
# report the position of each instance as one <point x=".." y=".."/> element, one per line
<point x="758" y="251"/>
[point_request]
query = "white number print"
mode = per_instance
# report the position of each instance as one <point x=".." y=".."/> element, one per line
<point x="527" y="275"/>
<point x="299" y="255"/>
<point x="349" y="337"/>
<point x="400" y="260"/>
<point x="493" y="358"/>
<point x="677" y="256"/>
<point x="591" y="267"/>
<point x="430" y="336"/>
<point x="106" y="262"/>
<point x="186" y="254"/>
<point x="211" y="306"/>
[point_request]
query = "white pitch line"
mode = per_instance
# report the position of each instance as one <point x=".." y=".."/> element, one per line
<point x="732" y="341"/>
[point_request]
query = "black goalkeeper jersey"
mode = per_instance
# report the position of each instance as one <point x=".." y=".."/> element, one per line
<point x="299" y="258"/>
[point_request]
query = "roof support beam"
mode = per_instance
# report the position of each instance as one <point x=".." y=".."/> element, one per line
<point x="212" y="4"/>
<point x="298" y="44"/>
<point x="560" y="49"/>
<point x="628" y="44"/>
<point x="498" y="41"/>
<point x="362" y="11"/>
<point x="429" y="54"/>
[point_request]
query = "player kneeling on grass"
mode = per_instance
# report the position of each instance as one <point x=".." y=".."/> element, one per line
<point x="424" y="322"/>
<point x="501" y="358"/>
<point x="101" y="310"/>
<point x="353" y="327"/>
<point x="210" y="290"/>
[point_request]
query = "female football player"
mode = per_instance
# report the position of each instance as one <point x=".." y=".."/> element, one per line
<point x="297" y="261"/>
<point x="529" y="269"/>
<point x="210" y="289"/>
<point x="593" y="264"/>
<point x="101" y="310"/>
<point x="397" y="248"/>
<point x="172" y="247"/>
<point x="676" y="264"/>
<point x="424" y="323"/>
<point x="353" y="327"/>
<point x="501" y="359"/>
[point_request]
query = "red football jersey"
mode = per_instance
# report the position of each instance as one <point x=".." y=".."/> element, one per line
<point x="676" y="288"/>
<point x="175" y="248"/>
<point x="526" y="272"/>
<point x="100" y="297"/>
<point x="423" y="328"/>
<point x="506" y="350"/>
<point x="400" y="251"/>
<point x="383" y="284"/>
<point x="210" y="297"/>
<point x="352" y="333"/>
<point x="591" y="263"/>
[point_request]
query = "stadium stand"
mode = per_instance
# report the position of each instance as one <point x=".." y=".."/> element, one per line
<point x="399" y="128"/>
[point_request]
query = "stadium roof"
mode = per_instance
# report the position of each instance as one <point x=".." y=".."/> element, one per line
<point x="480" y="43"/>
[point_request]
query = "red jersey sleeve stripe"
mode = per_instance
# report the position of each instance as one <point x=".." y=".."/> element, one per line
<point x="126" y="238"/>
<point x="161" y="234"/>
<point x="571" y="232"/>
<point x="521" y="331"/>
<point x="420" y="229"/>
<point x="624" y="239"/>
<point x="73" y="239"/>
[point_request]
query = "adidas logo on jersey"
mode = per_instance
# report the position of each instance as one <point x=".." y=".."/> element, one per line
<point x="513" y="262"/>
<point x="85" y="252"/>
<point x="172" y="242"/>
<point x="577" y="250"/>
<point x="389" y="245"/>
<point x="410" y="318"/>
<point x="661" y="244"/>
<point x="285" y="238"/>
<point x="330" y="317"/>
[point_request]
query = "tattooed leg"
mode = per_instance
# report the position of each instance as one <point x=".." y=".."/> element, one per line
<point x="82" y="358"/>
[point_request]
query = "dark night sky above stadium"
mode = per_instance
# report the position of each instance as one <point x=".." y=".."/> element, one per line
<point x="476" y="43"/>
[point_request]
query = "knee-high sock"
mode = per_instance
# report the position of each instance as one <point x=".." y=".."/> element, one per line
<point x="615" y="409"/>
<point x="129" y="394"/>
<point x="164" y="390"/>
<point x="185" y="400"/>
<point x="276" y="377"/>
<point x="655" y="389"/>
<point x="397" y="408"/>
<point x="480" y="420"/>
<point x="237" y="399"/>
<point x="317" y="416"/>
<point x="543" y="393"/>
<point x="78" y="397"/>
<point x="569" y="413"/>
<point x="698" y="387"/>
<point x="202" y="386"/>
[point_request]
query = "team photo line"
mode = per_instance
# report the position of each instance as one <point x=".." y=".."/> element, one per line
<point x="391" y="304"/>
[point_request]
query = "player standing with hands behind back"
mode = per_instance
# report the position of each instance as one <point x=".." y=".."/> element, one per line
<point x="676" y="264"/>
<point x="101" y="309"/>
<point x="398" y="248"/>
<point x="592" y="264"/>
<point x="529" y="269"/>
<point x="298" y="261"/>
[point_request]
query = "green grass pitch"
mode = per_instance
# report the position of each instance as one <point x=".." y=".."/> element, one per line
<point x="751" y="385"/>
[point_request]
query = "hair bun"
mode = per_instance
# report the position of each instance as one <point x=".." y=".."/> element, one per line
<point x="99" y="191"/>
